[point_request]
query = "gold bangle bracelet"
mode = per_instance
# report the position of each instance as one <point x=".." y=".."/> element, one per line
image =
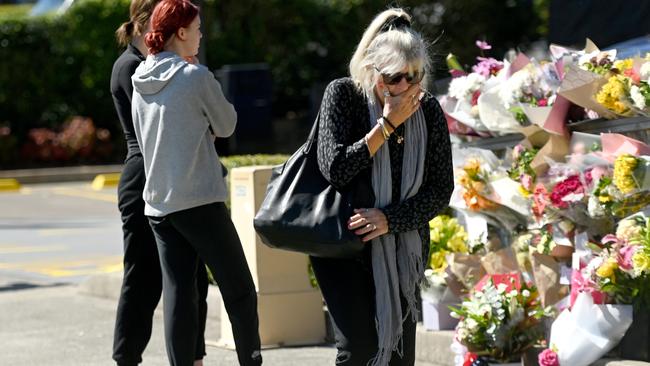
<point x="384" y="130"/>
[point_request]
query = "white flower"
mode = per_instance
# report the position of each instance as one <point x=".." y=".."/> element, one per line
<point x="627" y="229"/>
<point x="525" y="293"/>
<point x="463" y="87"/>
<point x="462" y="333"/>
<point x="594" y="208"/>
<point x="472" y="325"/>
<point x="645" y="71"/>
<point x="513" y="88"/>
<point x="637" y="97"/>
<point x="502" y="287"/>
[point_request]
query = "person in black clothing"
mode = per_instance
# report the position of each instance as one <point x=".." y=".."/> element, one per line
<point x="142" y="283"/>
<point x="380" y="126"/>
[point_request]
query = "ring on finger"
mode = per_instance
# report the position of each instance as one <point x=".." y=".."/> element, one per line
<point x="372" y="227"/>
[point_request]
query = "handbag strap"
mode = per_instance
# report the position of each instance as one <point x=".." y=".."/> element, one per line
<point x="313" y="135"/>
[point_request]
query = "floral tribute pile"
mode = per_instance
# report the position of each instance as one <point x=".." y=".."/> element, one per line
<point x="545" y="253"/>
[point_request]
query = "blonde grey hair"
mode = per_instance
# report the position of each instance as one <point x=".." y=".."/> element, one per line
<point x="390" y="51"/>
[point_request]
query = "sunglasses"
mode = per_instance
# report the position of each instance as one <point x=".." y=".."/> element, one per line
<point x="394" y="79"/>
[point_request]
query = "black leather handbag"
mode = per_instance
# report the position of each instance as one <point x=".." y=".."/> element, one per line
<point x="303" y="212"/>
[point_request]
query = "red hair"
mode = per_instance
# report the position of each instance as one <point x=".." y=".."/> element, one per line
<point x="167" y="18"/>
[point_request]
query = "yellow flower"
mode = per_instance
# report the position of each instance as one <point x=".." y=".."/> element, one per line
<point x="641" y="262"/>
<point x="613" y="94"/>
<point x="439" y="261"/>
<point x="623" y="65"/>
<point x="623" y="168"/>
<point x="523" y="191"/>
<point x="606" y="270"/>
<point x="604" y="199"/>
<point x="457" y="243"/>
<point x="472" y="167"/>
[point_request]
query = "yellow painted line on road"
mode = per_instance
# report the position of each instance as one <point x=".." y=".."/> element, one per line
<point x="18" y="249"/>
<point x="107" y="197"/>
<point x="102" y="181"/>
<point x="69" y="268"/>
<point x="9" y="185"/>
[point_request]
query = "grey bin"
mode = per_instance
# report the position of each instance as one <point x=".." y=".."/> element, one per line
<point x="249" y="88"/>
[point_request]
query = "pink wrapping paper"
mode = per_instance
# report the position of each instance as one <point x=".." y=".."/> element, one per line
<point x="615" y="144"/>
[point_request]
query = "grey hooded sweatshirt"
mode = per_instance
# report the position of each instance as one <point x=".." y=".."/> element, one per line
<point x="174" y="105"/>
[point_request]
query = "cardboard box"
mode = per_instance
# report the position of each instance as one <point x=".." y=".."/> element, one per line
<point x="289" y="308"/>
<point x="273" y="270"/>
<point x="437" y="316"/>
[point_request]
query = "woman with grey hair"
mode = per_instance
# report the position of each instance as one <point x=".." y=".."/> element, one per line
<point x="378" y="127"/>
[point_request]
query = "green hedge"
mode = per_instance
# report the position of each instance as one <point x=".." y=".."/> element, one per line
<point x="55" y="67"/>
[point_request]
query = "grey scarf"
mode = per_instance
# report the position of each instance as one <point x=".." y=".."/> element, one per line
<point x="396" y="267"/>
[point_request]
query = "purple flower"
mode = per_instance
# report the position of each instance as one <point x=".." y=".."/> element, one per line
<point x="548" y="358"/>
<point x="483" y="45"/>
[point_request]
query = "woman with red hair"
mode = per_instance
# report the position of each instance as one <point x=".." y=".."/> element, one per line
<point x="142" y="282"/>
<point x="178" y="109"/>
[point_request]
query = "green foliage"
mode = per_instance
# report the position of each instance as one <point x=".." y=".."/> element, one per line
<point x="54" y="67"/>
<point x="235" y="161"/>
<point x="13" y="11"/>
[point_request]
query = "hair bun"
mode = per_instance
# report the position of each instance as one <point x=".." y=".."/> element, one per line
<point x="155" y="41"/>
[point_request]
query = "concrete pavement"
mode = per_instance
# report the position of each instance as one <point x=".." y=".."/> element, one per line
<point x="46" y="321"/>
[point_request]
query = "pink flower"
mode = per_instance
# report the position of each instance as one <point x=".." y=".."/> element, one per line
<point x="542" y="102"/>
<point x="634" y="75"/>
<point x="457" y="73"/>
<point x="516" y="151"/>
<point x="475" y="96"/>
<point x="487" y="66"/>
<point x="483" y="45"/>
<point x="624" y="257"/>
<point x="540" y="200"/>
<point x="548" y="357"/>
<point x="570" y="185"/>
<point x="526" y="182"/>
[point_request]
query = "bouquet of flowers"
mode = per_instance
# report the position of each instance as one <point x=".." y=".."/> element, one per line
<point x="626" y="92"/>
<point x="474" y="179"/>
<point x="466" y="88"/>
<point x="501" y="319"/>
<point x="598" y="62"/>
<point x="628" y="190"/>
<point x="622" y="266"/>
<point x="521" y="170"/>
<point x="533" y="86"/>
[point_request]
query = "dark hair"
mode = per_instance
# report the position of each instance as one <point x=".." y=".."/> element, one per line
<point x="167" y="18"/>
<point x="140" y="11"/>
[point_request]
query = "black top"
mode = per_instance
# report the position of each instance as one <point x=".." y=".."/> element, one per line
<point x="343" y="155"/>
<point x="122" y="90"/>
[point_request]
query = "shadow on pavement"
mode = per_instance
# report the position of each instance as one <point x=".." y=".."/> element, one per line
<point x="16" y="286"/>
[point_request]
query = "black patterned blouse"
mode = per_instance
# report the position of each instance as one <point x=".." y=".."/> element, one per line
<point x="343" y="155"/>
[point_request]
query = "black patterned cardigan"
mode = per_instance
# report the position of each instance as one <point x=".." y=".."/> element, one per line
<point x="343" y="155"/>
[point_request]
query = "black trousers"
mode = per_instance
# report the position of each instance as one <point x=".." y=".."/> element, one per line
<point x="349" y="292"/>
<point x="205" y="232"/>
<point x="142" y="283"/>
